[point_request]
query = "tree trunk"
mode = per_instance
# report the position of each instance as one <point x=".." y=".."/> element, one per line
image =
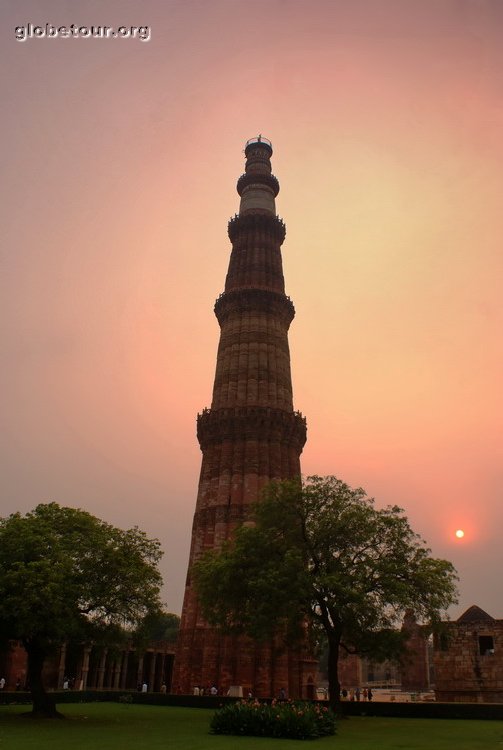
<point x="44" y="705"/>
<point x="334" y="687"/>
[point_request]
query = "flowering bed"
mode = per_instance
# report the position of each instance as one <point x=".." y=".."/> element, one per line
<point x="287" y="719"/>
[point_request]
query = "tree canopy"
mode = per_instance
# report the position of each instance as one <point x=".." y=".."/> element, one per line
<point x="158" y="626"/>
<point x="65" y="574"/>
<point x="321" y="553"/>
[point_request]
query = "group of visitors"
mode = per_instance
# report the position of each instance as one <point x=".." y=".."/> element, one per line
<point x="208" y="690"/>
<point x="355" y="694"/>
<point x="18" y="686"/>
<point x="214" y="690"/>
<point x="142" y="687"/>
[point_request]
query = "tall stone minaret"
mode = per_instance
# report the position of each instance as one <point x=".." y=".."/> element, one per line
<point x="249" y="436"/>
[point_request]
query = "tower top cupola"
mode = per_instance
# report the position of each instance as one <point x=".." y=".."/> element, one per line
<point x="258" y="187"/>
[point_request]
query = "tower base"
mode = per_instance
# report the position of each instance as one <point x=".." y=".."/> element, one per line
<point x="206" y="659"/>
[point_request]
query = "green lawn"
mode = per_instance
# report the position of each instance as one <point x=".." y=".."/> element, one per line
<point x="111" y="726"/>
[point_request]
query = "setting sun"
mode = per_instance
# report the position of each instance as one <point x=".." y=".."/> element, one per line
<point x="460" y="533"/>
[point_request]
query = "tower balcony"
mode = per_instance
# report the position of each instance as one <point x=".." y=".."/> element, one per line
<point x="266" y="301"/>
<point x="259" y="142"/>
<point x="267" y="181"/>
<point x="215" y="426"/>
<point x="255" y="222"/>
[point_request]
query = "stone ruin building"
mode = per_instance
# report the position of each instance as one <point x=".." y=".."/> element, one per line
<point x="468" y="659"/>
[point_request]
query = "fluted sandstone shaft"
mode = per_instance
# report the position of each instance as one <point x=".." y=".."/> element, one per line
<point x="249" y="436"/>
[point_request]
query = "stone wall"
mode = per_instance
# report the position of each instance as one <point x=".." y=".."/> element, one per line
<point x="468" y="659"/>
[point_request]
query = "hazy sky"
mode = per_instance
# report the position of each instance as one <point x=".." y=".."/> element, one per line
<point x="120" y="159"/>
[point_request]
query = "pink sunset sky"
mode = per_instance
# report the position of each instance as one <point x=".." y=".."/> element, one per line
<point x="120" y="159"/>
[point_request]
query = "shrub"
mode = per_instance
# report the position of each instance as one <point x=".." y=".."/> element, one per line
<point x="287" y="719"/>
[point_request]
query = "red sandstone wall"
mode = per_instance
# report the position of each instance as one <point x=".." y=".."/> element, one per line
<point x="462" y="673"/>
<point x="414" y="668"/>
<point x="15" y="667"/>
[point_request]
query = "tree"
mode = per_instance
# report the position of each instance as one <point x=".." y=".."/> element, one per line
<point x="321" y="553"/>
<point x="65" y="574"/>
<point x="158" y="626"/>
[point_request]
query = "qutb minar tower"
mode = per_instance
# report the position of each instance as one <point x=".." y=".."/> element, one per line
<point x="250" y="435"/>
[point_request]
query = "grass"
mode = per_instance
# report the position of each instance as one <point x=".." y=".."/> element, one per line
<point x="111" y="726"/>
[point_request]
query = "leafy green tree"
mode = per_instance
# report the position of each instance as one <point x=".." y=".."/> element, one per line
<point x="158" y="626"/>
<point x="321" y="553"/>
<point x="67" y="575"/>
